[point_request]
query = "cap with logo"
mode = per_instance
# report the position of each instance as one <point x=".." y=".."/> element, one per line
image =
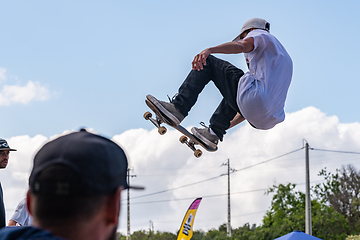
<point x="99" y="163"/>
<point x="5" y="146"/>
<point x="257" y="23"/>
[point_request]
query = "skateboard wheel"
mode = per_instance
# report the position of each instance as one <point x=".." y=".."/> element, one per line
<point x="162" y="130"/>
<point x="198" y="153"/>
<point x="147" y="115"/>
<point x="183" y="139"/>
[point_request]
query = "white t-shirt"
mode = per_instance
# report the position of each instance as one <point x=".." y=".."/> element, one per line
<point x="262" y="90"/>
<point x="21" y="215"/>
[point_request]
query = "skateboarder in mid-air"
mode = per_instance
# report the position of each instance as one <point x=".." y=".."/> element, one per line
<point x="257" y="95"/>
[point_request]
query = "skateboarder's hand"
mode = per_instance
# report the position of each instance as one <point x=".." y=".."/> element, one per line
<point x="200" y="60"/>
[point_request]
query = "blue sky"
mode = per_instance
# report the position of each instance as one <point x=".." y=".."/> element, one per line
<point x="71" y="64"/>
<point x="98" y="59"/>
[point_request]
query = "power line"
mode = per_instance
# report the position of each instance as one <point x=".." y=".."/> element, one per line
<point x="336" y="151"/>
<point x="215" y="195"/>
<point x="237" y="170"/>
<point x="191" y="184"/>
<point x="248" y="214"/>
<point x="171" y="189"/>
<point x="208" y="196"/>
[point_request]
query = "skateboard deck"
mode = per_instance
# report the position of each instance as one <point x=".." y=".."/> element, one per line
<point x="188" y="138"/>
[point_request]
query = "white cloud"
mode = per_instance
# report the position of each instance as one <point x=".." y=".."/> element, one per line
<point x="32" y="91"/>
<point x="2" y="74"/>
<point x="161" y="162"/>
<point x="18" y="94"/>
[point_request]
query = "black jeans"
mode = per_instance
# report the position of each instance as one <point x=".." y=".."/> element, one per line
<point x="225" y="77"/>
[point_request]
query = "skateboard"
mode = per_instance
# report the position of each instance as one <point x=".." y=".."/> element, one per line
<point x="189" y="139"/>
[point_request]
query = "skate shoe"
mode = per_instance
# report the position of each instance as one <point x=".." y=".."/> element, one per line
<point x="167" y="109"/>
<point x="205" y="136"/>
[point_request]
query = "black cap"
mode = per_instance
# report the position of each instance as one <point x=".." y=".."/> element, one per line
<point x="5" y="146"/>
<point x="99" y="163"/>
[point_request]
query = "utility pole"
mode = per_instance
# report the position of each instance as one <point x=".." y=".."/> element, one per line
<point x="228" y="225"/>
<point x="229" y="211"/>
<point x="128" y="204"/>
<point x="151" y="228"/>
<point x="308" y="228"/>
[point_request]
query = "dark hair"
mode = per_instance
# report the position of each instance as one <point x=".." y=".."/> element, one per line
<point x="245" y="32"/>
<point x="53" y="209"/>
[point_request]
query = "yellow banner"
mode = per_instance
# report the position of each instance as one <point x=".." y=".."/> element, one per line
<point x="186" y="228"/>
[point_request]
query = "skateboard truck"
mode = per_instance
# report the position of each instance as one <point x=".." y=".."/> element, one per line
<point x="191" y="144"/>
<point x="161" y="129"/>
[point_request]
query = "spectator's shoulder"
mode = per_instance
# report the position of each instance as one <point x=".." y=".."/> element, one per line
<point x="26" y="233"/>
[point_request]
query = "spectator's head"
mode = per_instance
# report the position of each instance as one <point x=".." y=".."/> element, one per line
<point x="77" y="179"/>
<point x="4" y="153"/>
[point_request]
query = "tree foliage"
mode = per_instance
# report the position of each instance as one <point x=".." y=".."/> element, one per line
<point x="287" y="214"/>
<point x="342" y="191"/>
<point x="352" y="237"/>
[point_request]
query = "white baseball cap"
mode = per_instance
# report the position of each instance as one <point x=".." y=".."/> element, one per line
<point x="257" y="23"/>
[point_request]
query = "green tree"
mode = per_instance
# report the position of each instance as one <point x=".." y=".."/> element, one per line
<point x="119" y="236"/>
<point x="342" y="191"/>
<point x="245" y="232"/>
<point x="327" y="223"/>
<point x="198" y="235"/>
<point x="163" y="236"/>
<point x="139" y="235"/>
<point x="352" y="237"/>
<point x="219" y="234"/>
<point x="287" y="214"/>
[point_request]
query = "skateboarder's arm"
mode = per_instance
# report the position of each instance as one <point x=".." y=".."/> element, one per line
<point x="237" y="119"/>
<point x="244" y="46"/>
<point x="11" y="223"/>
